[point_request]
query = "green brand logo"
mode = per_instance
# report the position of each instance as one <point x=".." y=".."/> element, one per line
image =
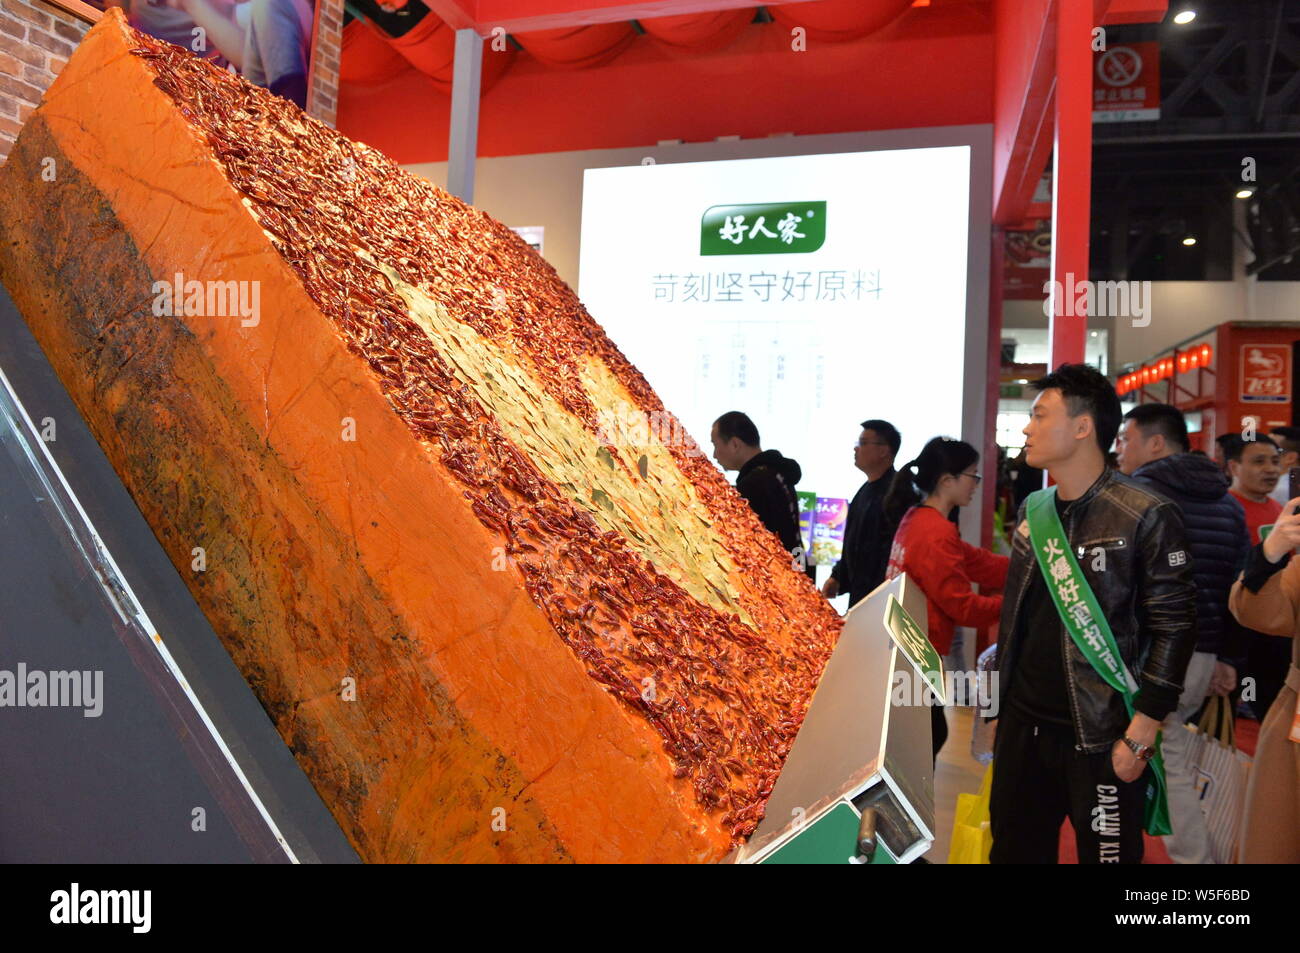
<point x="772" y="228"/>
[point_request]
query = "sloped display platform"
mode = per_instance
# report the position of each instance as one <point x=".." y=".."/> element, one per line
<point x="496" y="603"/>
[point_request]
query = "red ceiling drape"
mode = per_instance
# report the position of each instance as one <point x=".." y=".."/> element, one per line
<point x="579" y="47"/>
<point x="429" y="46"/>
<point x="697" y="32"/>
<point x="838" y="20"/>
<point x="367" y="56"/>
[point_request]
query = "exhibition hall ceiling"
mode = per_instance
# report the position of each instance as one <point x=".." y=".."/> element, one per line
<point x="517" y="16"/>
<point x="750" y="72"/>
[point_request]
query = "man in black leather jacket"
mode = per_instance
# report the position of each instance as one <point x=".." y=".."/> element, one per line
<point x="1152" y="448"/>
<point x="1065" y="745"/>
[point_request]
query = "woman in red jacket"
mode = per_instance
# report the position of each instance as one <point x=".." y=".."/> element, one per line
<point x="928" y="548"/>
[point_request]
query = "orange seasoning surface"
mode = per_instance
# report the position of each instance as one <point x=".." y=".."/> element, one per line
<point x="496" y="602"/>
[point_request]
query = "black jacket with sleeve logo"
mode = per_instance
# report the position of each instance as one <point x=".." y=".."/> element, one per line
<point x="1216" y="536"/>
<point x="1131" y="547"/>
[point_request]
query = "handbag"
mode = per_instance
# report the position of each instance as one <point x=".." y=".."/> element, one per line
<point x="972" y="839"/>
<point x="1220" y="773"/>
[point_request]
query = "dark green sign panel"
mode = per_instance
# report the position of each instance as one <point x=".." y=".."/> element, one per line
<point x="913" y="643"/>
<point x="831" y="839"/>
<point x="772" y="228"/>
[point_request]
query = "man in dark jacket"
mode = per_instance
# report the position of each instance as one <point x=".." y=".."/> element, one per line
<point x="1066" y="745"/>
<point x="868" y="534"/>
<point x="1153" y="449"/>
<point x="766" y="480"/>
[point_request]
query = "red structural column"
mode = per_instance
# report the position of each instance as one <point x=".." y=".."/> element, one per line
<point x="1071" y="177"/>
<point x="989" y="452"/>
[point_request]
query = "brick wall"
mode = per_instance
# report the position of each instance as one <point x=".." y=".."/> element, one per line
<point x="36" y="40"/>
<point x="323" y="93"/>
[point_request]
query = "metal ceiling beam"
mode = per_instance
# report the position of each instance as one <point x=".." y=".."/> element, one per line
<point x="1262" y="92"/>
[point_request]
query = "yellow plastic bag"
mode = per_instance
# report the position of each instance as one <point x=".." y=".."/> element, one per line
<point x="972" y="839"/>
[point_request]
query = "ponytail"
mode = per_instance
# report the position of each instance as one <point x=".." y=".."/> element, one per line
<point x="940" y="457"/>
<point x="902" y="494"/>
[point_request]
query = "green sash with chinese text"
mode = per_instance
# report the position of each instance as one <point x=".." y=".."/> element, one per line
<point x="1083" y="619"/>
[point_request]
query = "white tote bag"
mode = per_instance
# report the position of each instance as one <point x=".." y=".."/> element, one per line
<point x="1221" y="772"/>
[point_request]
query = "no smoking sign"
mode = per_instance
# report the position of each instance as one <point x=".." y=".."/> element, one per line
<point x="1126" y="83"/>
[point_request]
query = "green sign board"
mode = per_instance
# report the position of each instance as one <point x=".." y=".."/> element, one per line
<point x="831" y="839"/>
<point x="772" y="228"/>
<point x="913" y="643"/>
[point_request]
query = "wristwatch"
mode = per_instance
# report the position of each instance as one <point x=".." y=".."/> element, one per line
<point x="1144" y="752"/>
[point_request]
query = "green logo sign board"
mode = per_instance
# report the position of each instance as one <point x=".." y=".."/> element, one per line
<point x="772" y="228"/>
<point x="831" y="839"/>
<point x="913" y="643"/>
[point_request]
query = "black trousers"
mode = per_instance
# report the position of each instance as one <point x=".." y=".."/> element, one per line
<point x="1039" y="779"/>
<point x="1269" y="660"/>
<point x="939" y="728"/>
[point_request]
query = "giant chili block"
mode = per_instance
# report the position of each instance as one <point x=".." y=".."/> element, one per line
<point x="494" y="601"/>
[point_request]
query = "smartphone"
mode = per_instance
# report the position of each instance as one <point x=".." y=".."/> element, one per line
<point x="1293" y="480"/>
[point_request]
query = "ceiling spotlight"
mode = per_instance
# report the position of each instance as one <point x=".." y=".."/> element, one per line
<point x="1189" y="240"/>
<point x="1245" y="193"/>
<point x="1186" y="16"/>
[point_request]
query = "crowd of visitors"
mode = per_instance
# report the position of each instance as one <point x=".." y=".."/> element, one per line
<point x="1140" y="584"/>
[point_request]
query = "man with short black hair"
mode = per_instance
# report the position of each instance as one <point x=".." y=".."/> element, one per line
<point x="1254" y="468"/>
<point x="1152" y="447"/>
<point x="1099" y="598"/>
<point x="867" y="532"/>
<point x="1256" y="471"/>
<point x="766" y="480"/>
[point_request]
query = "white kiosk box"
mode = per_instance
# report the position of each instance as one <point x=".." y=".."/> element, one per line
<point x="861" y="767"/>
